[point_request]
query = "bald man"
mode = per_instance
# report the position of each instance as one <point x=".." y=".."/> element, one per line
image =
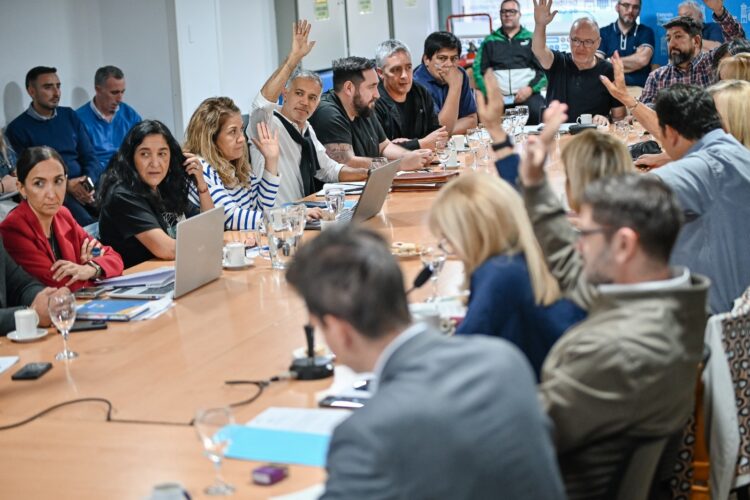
<point x="573" y="77"/>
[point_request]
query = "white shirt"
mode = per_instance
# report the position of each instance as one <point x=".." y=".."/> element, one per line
<point x="291" y="188"/>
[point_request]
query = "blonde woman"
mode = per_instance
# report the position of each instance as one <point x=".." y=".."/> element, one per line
<point x="732" y="98"/>
<point x="735" y="67"/>
<point x="482" y="220"/>
<point x="215" y="135"/>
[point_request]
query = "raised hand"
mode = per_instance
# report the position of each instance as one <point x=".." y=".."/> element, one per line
<point x="300" y="46"/>
<point x="267" y="142"/>
<point x="617" y="89"/>
<point x="555" y="115"/>
<point x="715" y="5"/>
<point x="543" y="13"/>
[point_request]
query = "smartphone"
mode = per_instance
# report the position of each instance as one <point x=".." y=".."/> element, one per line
<point x="90" y="292"/>
<point x="83" y="325"/>
<point x="342" y="402"/>
<point x="88" y="184"/>
<point x="32" y="371"/>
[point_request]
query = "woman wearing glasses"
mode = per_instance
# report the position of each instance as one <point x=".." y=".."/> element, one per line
<point x="482" y="220"/>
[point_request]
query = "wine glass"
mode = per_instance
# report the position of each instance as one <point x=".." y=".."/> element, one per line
<point x="442" y="151"/>
<point x="62" y="312"/>
<point x="210" y="424"/>
<point x="434" y="258"/>
<point x="523" y="117"/>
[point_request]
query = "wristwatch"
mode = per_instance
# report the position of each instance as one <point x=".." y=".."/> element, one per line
<point x="507" y="143"/>
<point x="99" y="271"/>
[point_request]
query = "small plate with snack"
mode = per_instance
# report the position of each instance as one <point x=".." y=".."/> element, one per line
<point x="404" y="250"/>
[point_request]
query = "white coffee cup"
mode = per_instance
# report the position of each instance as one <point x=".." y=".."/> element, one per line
<point x="26" y="322"/>
<point x="585" y="119"/>
<point x="234" y="253"/>
<point x="459" y="142"/>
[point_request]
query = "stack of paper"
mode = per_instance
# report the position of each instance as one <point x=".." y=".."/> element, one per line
<point x="157" y="277"/>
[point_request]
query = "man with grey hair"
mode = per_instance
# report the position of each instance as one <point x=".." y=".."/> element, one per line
<point x="574" y="76"/>
<point x="107" y="119"/>
<point x="303" y="162"/>
<point x="405" y="108"/>
<point x="712" y="34"/>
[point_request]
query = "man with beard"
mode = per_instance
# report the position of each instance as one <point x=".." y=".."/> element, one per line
<point x="622" y="381"/>
<point x="303" y="163"/>
<point x="508" y="52"/>
<point x="634" y="42"/>
<point x="45" y="123"/>
<point x="346" y="124"/>
<point x="687" y="64"/>
<point x="405" y="108"/>
<point x="574" y="76"/>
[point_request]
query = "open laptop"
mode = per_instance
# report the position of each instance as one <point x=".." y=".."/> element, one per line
<point x="200" y="242"/>
<point x="372" y="198"/>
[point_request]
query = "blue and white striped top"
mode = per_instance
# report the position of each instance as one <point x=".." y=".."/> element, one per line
<point x="243" y="207"/>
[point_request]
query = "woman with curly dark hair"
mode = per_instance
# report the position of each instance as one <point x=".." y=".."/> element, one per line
<point x="144" y="194"/>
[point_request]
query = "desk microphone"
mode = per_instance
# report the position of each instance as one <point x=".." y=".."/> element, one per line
<point x="422" y="278"/>
<point x="312" y="367"/>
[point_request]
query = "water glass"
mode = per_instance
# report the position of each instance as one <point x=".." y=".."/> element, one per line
<point x="433" y="257"/>
<point x="443" y="151"/>
<point x="335" y="198"/>
<point x="284" y="229"/>
<point x="622" y="130"/>
<point x="62" y="312"/>
<point x="211" y="426"/>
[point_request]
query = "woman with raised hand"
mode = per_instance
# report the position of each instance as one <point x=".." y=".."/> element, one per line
<point x="144" y="194"/>
<point x="216" y="138"/>
<point x="43" y="237"/>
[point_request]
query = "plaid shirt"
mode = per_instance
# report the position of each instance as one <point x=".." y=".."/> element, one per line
<point x="699" y="71"/>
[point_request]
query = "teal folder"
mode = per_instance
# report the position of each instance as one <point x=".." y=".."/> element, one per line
<point x="264" y="445"/>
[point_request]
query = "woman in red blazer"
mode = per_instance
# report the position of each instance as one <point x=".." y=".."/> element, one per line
<point x="41" y="234"/>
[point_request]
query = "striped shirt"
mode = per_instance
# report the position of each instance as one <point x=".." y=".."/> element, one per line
<point x="243" y="207"/>
<point x="700" y="70"/>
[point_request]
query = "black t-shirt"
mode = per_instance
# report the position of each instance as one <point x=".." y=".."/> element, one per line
<point x="581" y="90"/>
<point x="412" y="119"/>
<point x="125" y="214"/>
<point x="333" y="126"/>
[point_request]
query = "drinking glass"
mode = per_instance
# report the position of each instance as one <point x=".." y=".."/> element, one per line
<point x="433" y="257"/>
<point x="442" y="151"/>
<point x="510" y="121"/>
<point x="335" y="198"/>
<point x="284" y="229"/>
<point x="523" y="117"/>
<point x="378" y="162"/>
<point x="211" y="426"/>
<point x="622" y="130"/>
<point x="62" y="312"/>
<point x="474" y="138"/>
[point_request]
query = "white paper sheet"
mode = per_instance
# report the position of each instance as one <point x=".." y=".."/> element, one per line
<point x="7" y="361"/>
<point x="313" y="421"/>
<point x="311" y="493"/>
<point x="156" y="277"/>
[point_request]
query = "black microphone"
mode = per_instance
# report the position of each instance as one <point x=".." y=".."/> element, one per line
<point x="423" y="277"/>
<point x="311" y="367"/>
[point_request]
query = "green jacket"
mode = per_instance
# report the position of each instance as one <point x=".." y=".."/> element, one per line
<point x="512" y="61"/>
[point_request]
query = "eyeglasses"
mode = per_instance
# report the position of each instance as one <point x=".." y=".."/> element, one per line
<point x="577" y="42"/>
<point x="629" y="6"/>
<point x="582" y="233"/>
<point x="508" y="12"/>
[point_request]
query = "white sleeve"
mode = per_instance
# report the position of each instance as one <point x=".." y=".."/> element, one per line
<point x="261" y="111"/>
<point x="329" y="168"/>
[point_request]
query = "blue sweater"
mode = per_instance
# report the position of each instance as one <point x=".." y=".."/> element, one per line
<point x="502" y="304"/>
<point x="106" y="137"/>
<point x="64" y="132"/>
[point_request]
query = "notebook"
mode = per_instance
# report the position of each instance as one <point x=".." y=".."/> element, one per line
<point x="112" y="310"/>
<point x="200" y="241"/>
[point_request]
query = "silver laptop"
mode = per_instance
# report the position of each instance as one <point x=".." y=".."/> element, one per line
<point x="372" y="198"/>
<point x="200" y="241"/>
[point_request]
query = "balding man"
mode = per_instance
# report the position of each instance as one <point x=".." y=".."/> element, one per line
<point x="573" y="77"/>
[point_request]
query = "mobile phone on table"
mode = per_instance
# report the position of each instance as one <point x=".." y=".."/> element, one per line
<point x="83" y="325"/>
<point x="342" y="402"/>
<point x="90" y="292"/>
<point x="32" y="371"/>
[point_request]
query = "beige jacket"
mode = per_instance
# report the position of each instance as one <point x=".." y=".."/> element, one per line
<point x="625" y="374"/>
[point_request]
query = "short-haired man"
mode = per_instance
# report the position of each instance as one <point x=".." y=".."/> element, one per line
<point x="687" y="64"/>
<point x="574" y="76"/>
<point x="508" y="52"/>
<point x="107" y="119"/>
<point x="634" y="42"/>
<point x="346" y="124"/>
<point x="303" y="162"/>
<point x="405" y="108"/>
<point x="46" y="123"/>
<point x="449" y="418"/>
<point x="447" y="82"/>
<point x="711" y="33"/>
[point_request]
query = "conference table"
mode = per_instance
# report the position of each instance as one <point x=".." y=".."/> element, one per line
<point x="158" y="372"/>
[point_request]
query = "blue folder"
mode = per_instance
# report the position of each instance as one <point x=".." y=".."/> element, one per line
<point x="264" y="445"/>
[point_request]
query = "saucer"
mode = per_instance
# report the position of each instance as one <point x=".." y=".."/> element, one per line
<point x="453" y="165"/>
<point x="40" y="333"/>
<point x="248" y="262"/>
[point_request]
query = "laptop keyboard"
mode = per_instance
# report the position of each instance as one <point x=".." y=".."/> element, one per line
<point x="345" y="216"/>
<point x="159" y="290"/>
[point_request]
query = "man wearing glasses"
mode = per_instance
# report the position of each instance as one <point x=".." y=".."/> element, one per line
<point x="574" y="77"/>
<point x="508" y="52"/>
<point x="634" y="42"/>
